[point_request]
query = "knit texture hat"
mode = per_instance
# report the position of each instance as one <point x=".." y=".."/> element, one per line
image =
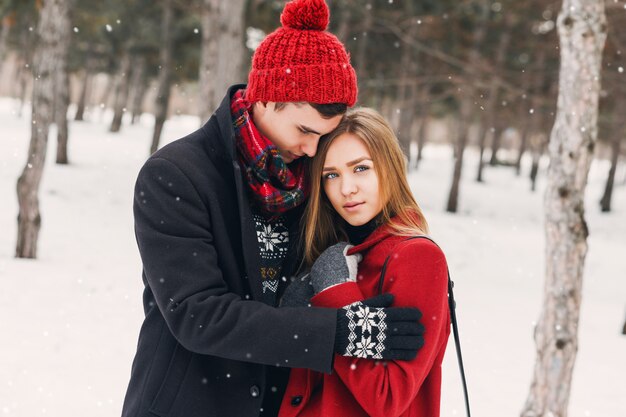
<point x="301" y="61"/>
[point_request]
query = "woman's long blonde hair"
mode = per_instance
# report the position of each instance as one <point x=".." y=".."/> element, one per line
<point x="322" y="224"/>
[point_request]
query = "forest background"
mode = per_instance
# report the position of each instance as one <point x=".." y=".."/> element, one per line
<point x="451" y="76"/>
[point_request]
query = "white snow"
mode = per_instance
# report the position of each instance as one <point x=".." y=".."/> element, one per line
<point x="69" y="320"/>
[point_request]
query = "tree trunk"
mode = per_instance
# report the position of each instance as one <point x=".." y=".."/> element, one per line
<point x="495" y="147"/>
<point x="541" y="120"/>
<point x="62" y="91"/>
<point x="165" y="75"/>
<point x="230" y="48"/>
<point x="24" y="65"/>
<point x="539" y="143"/>
<point x="423" y="116"/>
<point x="221" y="61"/>
<point x="537" y="150"/>
<point x="496" y="142"/>
<point x="103" y="102"/>
<point x="421" y="138"/>
<point x="417" y="127"/>
<point x="582" y="33"/>
<point x="122" y="85"/>
<point x="360" y="63"/>
<point x="491" y="109"/>
<point x="343" y="18"/>
<point x="460" y="143"/>
<point x="85" y="89"/>
<point x="139" y="83"/>
<point x="61" y="104"/>
<point x="522" y="117"/>
<point x="486" y="129"/>
<point x="467" y="103"/>
<point x="522" y="149"/>
<point x="407" y="93"/>
<point x="4" y="36"/>
<point x="25" y="75"/>
<point x="618" y="134"/>
<point x="82" y="98"/>
<point x="208" y="56"/>
<point x="51" y="29"/>
<point x="534" y="89"/>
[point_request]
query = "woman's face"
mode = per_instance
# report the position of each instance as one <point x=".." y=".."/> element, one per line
<point x="350" y="181"/>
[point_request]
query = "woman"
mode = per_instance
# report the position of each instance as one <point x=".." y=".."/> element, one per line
<point x="360" y="194"/>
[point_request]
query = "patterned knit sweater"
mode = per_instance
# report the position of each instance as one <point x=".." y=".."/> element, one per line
<point x="273" y="238"/>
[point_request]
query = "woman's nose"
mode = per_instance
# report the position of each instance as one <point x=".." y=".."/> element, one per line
<point x="348" y="186"/>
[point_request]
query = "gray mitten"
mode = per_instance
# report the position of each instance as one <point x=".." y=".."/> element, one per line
<point x="298" y="293"/>
<point x="334" y="267"/>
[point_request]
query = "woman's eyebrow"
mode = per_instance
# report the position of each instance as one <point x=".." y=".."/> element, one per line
<point x="351" y="163"/>
<point x="356" y="161"/>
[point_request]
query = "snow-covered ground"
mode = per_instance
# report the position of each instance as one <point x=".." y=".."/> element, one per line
<point x="69" y="321"/>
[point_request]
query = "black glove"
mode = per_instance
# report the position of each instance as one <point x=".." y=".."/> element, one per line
<point x="372" y="329"/>
<point x="298" y="293"/>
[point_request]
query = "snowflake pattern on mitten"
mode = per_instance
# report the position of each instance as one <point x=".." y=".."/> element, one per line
<point x="367" y="327"/>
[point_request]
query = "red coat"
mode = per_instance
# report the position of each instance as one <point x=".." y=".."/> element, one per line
<point x="417" y="276"/>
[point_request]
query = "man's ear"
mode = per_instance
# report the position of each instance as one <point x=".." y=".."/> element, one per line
<point x="261" y="107"/>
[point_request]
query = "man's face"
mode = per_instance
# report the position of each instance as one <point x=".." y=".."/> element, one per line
<point x="295" y="129"/>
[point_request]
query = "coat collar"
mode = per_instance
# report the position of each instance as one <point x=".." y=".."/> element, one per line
<point x="223" y="118"/>
<point x="383" y="232"/>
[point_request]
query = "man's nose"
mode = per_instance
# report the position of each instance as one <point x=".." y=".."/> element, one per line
<point x="309" y="148"/>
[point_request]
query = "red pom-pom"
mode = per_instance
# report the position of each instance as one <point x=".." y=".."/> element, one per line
<point x="305" y="15"/>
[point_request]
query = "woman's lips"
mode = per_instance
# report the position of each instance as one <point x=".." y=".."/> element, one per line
<point x="352" y="206"/>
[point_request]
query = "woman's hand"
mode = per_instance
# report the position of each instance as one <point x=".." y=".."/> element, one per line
<point x="334" y="267"/>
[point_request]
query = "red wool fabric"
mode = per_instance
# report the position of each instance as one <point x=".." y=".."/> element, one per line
<point x="417" y="276"/>
<point x="276" y="186"/>
<point x="301" y="61"/>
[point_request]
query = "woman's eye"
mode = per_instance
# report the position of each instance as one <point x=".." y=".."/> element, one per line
<point x="329" y="176"/>
<point x="361" y="168"/>
<point x="304" y="131"/>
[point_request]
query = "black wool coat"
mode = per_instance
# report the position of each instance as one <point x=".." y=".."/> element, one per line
<point x="207" y="343"/>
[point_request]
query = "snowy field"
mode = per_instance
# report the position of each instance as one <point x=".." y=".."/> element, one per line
<point x="69" y="321"/>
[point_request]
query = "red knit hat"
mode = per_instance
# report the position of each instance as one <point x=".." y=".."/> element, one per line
<point x="300" y="61"/>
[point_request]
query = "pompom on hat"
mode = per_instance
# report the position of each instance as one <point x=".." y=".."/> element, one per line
<point x="301" y="61"/>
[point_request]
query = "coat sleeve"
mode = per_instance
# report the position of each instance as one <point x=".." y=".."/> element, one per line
<point x="181" y="267"/>
<point x="417" y="276"/>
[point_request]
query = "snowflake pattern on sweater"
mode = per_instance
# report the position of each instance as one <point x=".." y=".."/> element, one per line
<point x="273" y="238"/>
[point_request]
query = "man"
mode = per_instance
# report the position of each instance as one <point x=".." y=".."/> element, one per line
<point x="216" y="220"/>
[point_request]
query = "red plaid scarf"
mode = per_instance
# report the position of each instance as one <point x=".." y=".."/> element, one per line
<point x="276" y="186"/>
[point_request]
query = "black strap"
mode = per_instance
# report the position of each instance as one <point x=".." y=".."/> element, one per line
<point x="455" y="326"/>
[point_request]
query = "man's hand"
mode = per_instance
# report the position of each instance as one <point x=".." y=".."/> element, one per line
<point x="372" y="329"/>
<point x="298" y="293"/>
